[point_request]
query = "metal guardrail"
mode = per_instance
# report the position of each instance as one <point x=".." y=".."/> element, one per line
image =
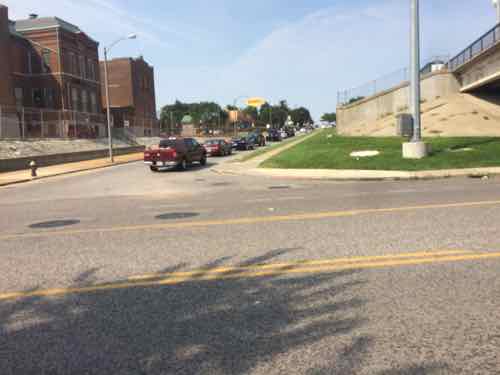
<point x="485" y="42"/>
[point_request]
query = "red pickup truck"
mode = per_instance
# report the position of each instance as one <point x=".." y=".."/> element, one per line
<point x="175" y="152"/>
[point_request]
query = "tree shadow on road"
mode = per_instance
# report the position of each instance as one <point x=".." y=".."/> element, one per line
<point x="227" y="326"/>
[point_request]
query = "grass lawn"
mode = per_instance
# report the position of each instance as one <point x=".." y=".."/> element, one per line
<point x="263" y="150"/>
<point x="326" y="150"/>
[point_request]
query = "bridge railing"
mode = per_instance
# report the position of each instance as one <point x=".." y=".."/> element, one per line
<point x="488" y="40"/>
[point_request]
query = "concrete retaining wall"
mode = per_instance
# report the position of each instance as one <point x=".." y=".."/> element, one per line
<point x="7" y="165"/>
<point x="393" y="101"/>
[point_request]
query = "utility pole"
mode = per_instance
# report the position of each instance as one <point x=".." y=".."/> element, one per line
<point x="170" y="124"/>
<point x="416" y="149"/>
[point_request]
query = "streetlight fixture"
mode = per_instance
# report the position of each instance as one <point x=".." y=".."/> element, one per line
<point x="106" y="85"/>
<point x="496" y="4"/>
<point x="415" y="149"/>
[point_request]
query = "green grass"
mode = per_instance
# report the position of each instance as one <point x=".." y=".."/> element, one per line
<point x="263" y="150"/>
<point x="329" y="151"/>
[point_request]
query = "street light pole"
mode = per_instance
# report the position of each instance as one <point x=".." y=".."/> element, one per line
<point x="496" y="4"/>
<point x="108" y="106"/>
<point x="416" y="149"/>
<point x="415" y="70"/>
<point x="106" y="88"/>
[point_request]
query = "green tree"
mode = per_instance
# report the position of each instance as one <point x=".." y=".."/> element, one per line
<point x="301" y="116"/>
<point x="329" y="117"/>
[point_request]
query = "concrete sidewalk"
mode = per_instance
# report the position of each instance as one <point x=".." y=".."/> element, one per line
<point x="9" y="178"/>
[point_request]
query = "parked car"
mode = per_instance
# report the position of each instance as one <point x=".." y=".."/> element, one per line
<point x="244" y="144"/>
<point x="218" y="147"/>
<point x="290" y="132"/>
<point x="274" y="135"/>
<point x="257" y="139"/>
<point x="175" y="152"/>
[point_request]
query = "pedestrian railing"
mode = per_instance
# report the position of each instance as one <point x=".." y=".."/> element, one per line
<point x="485" y="42"/>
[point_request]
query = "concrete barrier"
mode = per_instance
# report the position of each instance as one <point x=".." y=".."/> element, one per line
<point x="393" y="101"/>
<point x="8" y="165"/>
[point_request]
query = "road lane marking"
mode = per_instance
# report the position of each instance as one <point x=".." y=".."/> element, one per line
<point x="249" y="220"/>
<point x="176" y="280"/>
<point x="302" y="263"/>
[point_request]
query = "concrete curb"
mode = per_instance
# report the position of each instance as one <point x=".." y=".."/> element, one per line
<point x="360" y="175"/>
<point x="20" y="181"/>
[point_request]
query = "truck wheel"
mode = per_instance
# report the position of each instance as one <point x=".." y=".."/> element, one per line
<point x="203" y="160"/>
<point x="153" y="169"/>
<point x="183" y="165"/>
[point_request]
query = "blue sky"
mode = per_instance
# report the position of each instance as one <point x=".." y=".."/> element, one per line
<point x="300" y="50"/>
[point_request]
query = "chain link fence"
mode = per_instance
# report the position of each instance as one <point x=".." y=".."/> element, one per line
<point x="387" y="82"/>
<point x="33" y="123"/>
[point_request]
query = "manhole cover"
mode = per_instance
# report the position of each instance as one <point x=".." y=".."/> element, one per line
<point x="176" y="215"/>
<point x="54" y="224"/>
<point x="221" y="184"/>
<point x="279" y="187"/>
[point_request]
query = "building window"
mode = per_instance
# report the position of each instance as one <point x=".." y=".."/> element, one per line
<point x="91" y="70"/>
<point x="49" y="97"/>
<point x="93" y="102"/>
<point x="18" y="93"/>
<point x="73" y="66"/>
<point x="45" y="61"/>
<point x="37" y="98"/>
<point x="30" y="63"/>
<point x="85" y="101"/>
<point x="83" y="71"/>
<point x="74" y="98"/>
<point x="68" y="95"/>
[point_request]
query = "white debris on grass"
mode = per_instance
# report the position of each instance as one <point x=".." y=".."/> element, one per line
<point x="364" y="154"/>
<point x="465" y="149"/>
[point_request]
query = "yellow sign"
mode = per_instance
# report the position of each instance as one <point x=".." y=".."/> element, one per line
<point x="255" y="102"/>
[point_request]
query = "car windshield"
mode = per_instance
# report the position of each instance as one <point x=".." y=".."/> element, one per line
<point x="166" y="143"/>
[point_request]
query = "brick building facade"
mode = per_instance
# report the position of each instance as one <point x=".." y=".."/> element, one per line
<point x="50" y="65"/>
<point x="132" y="94"/>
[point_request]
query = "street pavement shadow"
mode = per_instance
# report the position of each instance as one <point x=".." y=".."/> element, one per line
<point x="225" y="326"/>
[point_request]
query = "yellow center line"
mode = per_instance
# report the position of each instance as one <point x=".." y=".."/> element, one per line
<point x="296" y="264"/>
<point x="326" y="268"/>
<point x="248" y="220"/>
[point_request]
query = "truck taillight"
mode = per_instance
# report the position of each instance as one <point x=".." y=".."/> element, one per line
<point x="174" y="154"/>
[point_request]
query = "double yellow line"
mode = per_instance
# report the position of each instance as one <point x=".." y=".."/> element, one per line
<point x="266" y="270"/>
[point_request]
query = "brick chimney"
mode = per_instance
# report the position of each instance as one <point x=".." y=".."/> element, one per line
<point x="6" y="93"/>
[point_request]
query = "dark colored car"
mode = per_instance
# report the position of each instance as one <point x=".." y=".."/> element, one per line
<point x="244" y="144"/>
<point x="290" y="132"/>
<point x="175" y="153"/>
<point x="274" y="135"/>
<point x="218" y="147"/>
<point x="257" y="139"/>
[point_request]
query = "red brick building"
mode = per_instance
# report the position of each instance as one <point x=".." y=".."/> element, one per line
<point x="132" y="94"/>
<point x="50" y="64"/>
<point x="53" y="64"/>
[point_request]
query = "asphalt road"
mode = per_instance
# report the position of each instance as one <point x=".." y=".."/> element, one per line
<point x="124" y="271"/>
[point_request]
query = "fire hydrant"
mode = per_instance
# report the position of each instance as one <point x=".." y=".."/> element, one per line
<point x="33" y="168"/>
